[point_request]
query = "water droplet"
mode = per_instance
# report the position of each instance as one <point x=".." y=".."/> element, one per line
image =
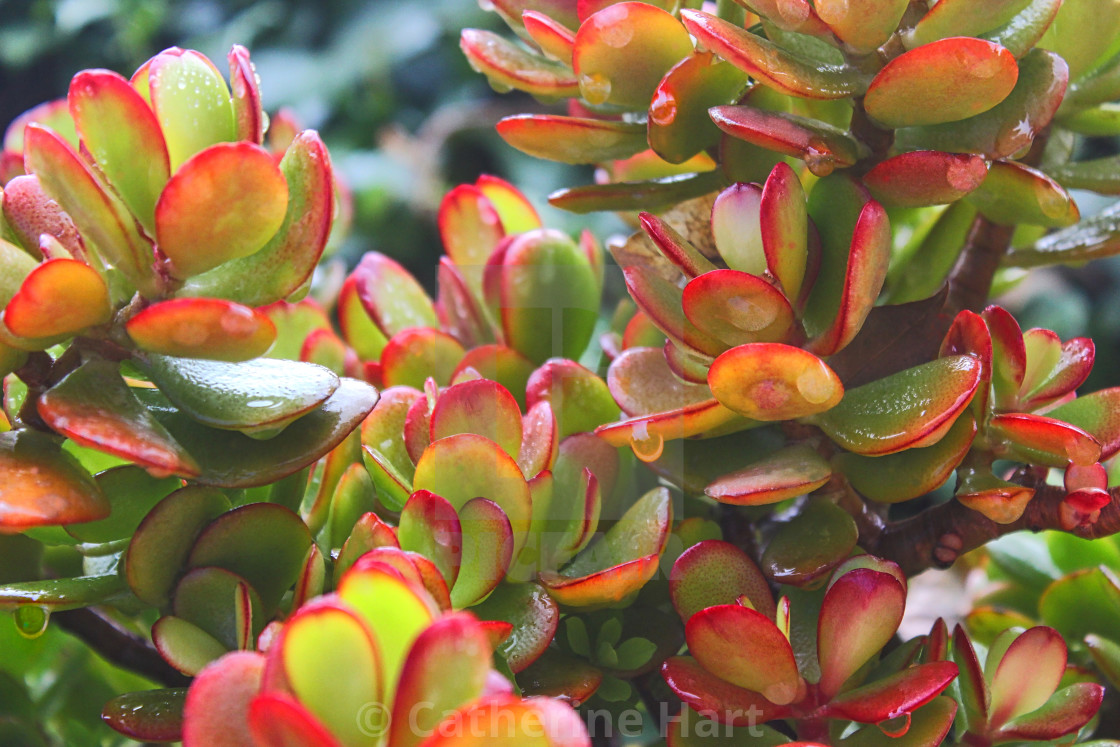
<point x="897" y="727"/>
<point x="238" y="322"/>
<point x="818" y="157"/>
<point x="596" y="88"/>
<point x="190" y="334"/>
<point x="751" y="316"/>
<point x="616" y="35"/>
<point x="645" y="446"/>
<point x="255" y="403"/>
<point x="31" y="620"/>
<point x="984" y="68"/>
<point x="815" y="384"/>
<point x="486" y="5"/>
<point x="663" y="109"/>
<point x="1054" y="203"/>
<point x="181" y="84"/>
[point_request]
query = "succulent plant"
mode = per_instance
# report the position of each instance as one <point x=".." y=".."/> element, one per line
<point x="199" y="469"/>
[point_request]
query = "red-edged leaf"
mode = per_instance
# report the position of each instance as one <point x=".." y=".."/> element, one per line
<point x="465" y="466"/>
<point x="414" y="355"/>
<point x="770" y="64"/>
<point x="744" y="648"/>
<point x="276" y="719"/>
<point x="202" y="328"/>
<point x="1070" y="372"/>
<point x="787" y="473"/>
<point x="897" y="695"/>
<point x="822" y="146"/>
<point x="943" y="81"/>
<point x="925" y="177"/>
<point x="662" y="303"/>
<point x="646" y="434"/>
<point x="59" y="297"/>
<point x="675" y="247"/>
<point x="860" y="614"/>
<point x="1027" y="674"/>
<point x="622" y="51"/>
<point x="772" y="381"/>
<point x="488" y="550"/>
<point x="284" y="263"/>
<point x="642" y="383"/>
<point x="30" y="213"/>
<point x="737" y="307"/>
<point x="572" y="139"/>
<point x="1013" y="193"/>
<point x="94" y="407"/>
<point x="44" y="485"/>
<point x="1068" y="710"/>
<point x="714" y="572"/>
<point x="509" y="65"/>
<point x="532" y="616"/>
<point x="679" y="125"/>
<point x="149" y="715"/>
<point x="121" y="133"/>
<point x="1098" y="414"/>
<point x="912" y="408"/>
<point x="225" y="203"/>
<point x="216" y="710"/>
<point x="191" y="102"/>
<point x="1044" y="440"/>
<point x="106" y="226"/>
<point x="446" y="668"/>
<point x="430" y="526"/>
<point x="483" y="407"/>
<point x="621" y="561"/>
<point x="716" y="698"/>
<point x="863" y="24"/>
<point x="248" y="114"/>
<point x="784" y="225"/>
<point x="554" y="39"/>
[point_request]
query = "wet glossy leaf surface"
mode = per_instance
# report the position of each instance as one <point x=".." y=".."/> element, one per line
<point x="737" y="307"/>
<point x="1013" y="194"/>
<point x="787" y="473"/>
<point x="622" y="52"/>
<point x="260" y="393"/>
<point x="743" y="647"/>
<point x="509" y="66"/>
<point x="772" y="381"/>
<point x="43" y="485"/>
<point x="59" y="297"/>
<point x="132" y="493"/>
<point x="771" y="65"/>
<point x="572" y="139"/>
<point x="96" y="408"/>
<point x="923" y="178"/>
<point x="679" y="125"/>
<point x="232" y="459"/>
<point x="911" y="408"/>
<point x="715" y="572"/>
<point x="911" y="473"/>
<point x="225" y="203"/>
<point x="203" y="328"/>
<point x="943" y="81"/>
<point x="191" y="102"/>
<point x="810" y="545"/>
<point x="150" y="715"/>
<point x="287" y="260"/>
<point x="223" y="688"/>
<point x="120" y="131"/>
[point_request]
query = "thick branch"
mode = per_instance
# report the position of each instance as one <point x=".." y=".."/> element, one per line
<point x="970" y="281"/>
<point x="119" y="645"/>
<point x="937" y="537"/>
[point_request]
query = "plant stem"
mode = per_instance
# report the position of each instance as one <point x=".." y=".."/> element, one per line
<point x="119" y="645"/>
<point x="937" y="537"/>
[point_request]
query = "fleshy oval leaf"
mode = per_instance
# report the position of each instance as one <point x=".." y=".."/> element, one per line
<point x="773" y="381"/>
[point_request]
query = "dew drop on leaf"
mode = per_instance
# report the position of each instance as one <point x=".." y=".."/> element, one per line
<point x="752" y="316"/>
<point x="663" y="109"/>
<point x="31" y="620"/>
<point x="595" y="88"/>
<point x="819" y="159"/>
<point x="815" y="385"/>
<point x="646" y="447"/>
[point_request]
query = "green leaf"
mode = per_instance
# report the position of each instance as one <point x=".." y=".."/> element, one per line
<point x="191" y="102"/>
<point x="261" y="395"/>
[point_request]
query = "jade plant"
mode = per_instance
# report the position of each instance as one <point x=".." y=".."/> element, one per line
<point x="669" y="486"/>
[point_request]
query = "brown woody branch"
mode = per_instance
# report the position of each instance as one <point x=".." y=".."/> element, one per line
<point x="937" y="537"/>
